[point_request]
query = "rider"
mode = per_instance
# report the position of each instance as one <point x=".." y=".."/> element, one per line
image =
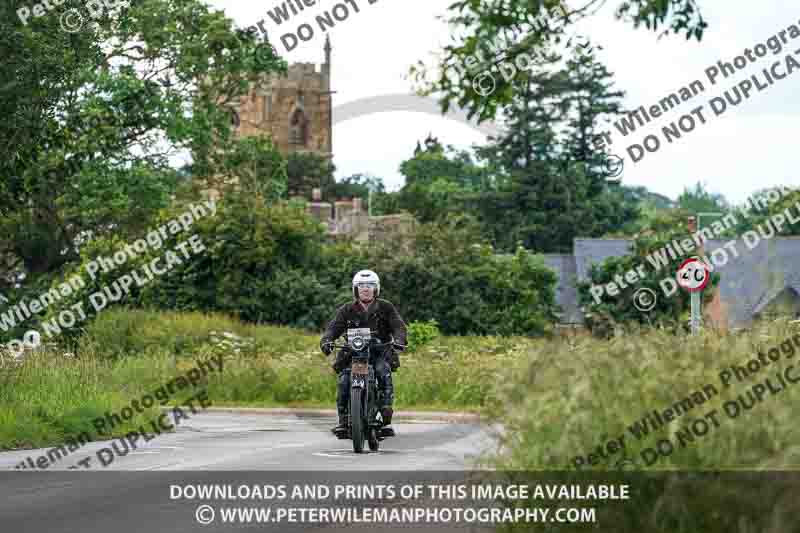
<point x="367" y="311"/>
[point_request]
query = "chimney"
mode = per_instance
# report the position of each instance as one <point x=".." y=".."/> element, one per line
<point x="357" y="204"/>
<point x="692" y="224"/>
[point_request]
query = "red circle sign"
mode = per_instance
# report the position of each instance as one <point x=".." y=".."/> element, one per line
<point x="693" y="275"/>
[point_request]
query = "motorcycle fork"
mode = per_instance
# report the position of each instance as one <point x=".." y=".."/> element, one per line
<point x="372" y="399"/>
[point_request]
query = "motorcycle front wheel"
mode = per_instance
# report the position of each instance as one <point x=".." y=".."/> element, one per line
<point x="357" y="420"/>
<point x="372" y="440"/>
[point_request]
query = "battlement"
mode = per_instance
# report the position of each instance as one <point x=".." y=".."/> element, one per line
<point x="348" y="218"/>
<point x="298" y="75"/>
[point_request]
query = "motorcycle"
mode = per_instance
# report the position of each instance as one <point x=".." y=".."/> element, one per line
<point x="364" y="421"/>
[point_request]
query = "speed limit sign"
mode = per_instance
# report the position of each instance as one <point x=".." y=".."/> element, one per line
<point x="693" y="275"/>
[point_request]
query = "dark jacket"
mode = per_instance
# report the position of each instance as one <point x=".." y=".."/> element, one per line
<point x="381" y="316"/>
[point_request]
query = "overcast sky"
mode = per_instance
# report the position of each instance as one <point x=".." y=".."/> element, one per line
<point x="749" y="147"/>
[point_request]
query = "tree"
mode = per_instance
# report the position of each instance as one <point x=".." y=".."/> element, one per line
<point x="587" y="99"/>
<point x="356" y="186"/>
<point x="673" y="311"/>
<point x="518" y="27"/>
<point x="554" y="181"/>
<point x="307" y="171"/>
<point x="763" y="210"/>
<point x="698" y="199"/>
<point x="439" y="179"/>
<point x="254" y="165"/>
<point x="91" y="119"/>
<point x="437" y="162"/>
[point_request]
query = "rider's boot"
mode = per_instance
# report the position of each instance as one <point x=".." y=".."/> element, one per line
<point x="341" y="428"/>
<point x="342" y="391"/>
<point x="385" y="383"/>
<point x="386" y="415"/>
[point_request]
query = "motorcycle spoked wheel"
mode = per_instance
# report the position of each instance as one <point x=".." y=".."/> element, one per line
<point x="357" y="419"/>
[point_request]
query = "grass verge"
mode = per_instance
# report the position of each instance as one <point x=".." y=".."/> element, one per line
<point x="128" y="353"/>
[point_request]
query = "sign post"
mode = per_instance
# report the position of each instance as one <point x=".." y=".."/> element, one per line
<point x="695" y="301"/>
<point x="693" y="276"/>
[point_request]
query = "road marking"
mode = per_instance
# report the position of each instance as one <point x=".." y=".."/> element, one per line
<point x="348" y="452"/>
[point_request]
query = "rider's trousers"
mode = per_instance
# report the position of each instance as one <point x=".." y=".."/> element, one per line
<point x="383" y="374"/>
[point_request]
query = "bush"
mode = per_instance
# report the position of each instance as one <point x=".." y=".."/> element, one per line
<point x="271" y="264"/>
<point x="465" y="286"/>
<point x="613" y="311"/>
<point x="420" y="333"/>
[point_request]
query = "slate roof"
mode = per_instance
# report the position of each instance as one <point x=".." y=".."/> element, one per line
<point x="752" y="281"/>
<point x="749" y="282"/>
<point x="590" y="251"/>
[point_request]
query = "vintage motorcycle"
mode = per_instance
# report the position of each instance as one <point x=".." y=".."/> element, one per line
<point x="364" y="421"/>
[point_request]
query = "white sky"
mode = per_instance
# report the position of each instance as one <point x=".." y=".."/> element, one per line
<point x="748" y="148"/>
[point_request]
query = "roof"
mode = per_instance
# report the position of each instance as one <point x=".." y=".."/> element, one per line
<point x="595" y="251"/>
<point x="750" y="282"/>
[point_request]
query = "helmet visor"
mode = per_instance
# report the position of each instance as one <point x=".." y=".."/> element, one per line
<point x="367" y="285"/>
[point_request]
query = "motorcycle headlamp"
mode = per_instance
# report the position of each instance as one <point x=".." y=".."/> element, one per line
<point x="358" y="343"/>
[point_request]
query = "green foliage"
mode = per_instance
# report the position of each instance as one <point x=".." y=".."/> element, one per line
<point x="420" y="333"/>
<point x="671" y="312"/>
<point x="699" y="199"/>
<point x="763" y="210"/>
<point x="307" y="170"/>
<point x="438" y="180"/>
<point x="386" y="203"/>
<point x="253" y="165"/>
<point x="567" y="396"/>
<point x="467" y="288"/>
<point x="89" y="121"/>
<point x="437" y="162"/>
<point x="126" y="354"/>
<point x="554" y="185"/>
<point x="355" y="186"/>
<point x="270" y="264"/>
<point x="532" y="28"/>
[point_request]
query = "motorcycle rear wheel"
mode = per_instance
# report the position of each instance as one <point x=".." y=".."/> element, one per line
<point x="357" y="420"/>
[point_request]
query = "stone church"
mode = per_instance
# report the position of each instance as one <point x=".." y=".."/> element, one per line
<point x="296" y="110"/>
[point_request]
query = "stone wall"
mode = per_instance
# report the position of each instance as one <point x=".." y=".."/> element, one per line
<point x="303" y="93"/>
<point x="349" y="219"/>
<point x="396" y="229"/>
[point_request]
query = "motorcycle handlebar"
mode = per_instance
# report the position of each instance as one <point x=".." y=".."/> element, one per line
<point x="372" y="344"/>
<point x="345" y="345"/>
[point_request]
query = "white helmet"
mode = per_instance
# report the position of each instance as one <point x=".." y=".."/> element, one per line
<point x="366" y="276"/>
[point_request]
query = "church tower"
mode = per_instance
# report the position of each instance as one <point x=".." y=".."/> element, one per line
<point x="294" y="109"/>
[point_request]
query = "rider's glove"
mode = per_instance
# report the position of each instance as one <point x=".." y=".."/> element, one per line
<point x="326" y="347"/>
<point x="399" y="347"/>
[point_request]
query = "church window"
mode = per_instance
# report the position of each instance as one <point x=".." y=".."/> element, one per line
<point x="298" y="128"/>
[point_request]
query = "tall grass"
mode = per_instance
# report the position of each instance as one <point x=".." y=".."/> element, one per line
<point x="125" y="354"/>
<point x="566" y="397"/>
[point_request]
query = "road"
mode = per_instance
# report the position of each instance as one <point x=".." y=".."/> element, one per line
<point x="132" y="493"/>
